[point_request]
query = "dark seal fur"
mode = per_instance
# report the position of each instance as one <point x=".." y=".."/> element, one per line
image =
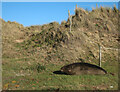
<point x="82" y="68"/>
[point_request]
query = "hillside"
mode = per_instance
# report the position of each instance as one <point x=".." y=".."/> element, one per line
<point x="53" y="43"/>
<point x="88" y="30"/>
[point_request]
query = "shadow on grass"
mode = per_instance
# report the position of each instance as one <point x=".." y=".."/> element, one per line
<point x="59" y="72"/>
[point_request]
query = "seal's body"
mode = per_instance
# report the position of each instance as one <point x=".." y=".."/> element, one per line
<point x="82" y="68"/>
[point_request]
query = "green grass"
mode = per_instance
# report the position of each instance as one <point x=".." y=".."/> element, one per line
<point x="27" y="77"/>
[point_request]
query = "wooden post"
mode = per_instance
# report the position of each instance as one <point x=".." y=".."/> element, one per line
<point x="70" y="19"/>
<point x="100" y="55"/>
<point x="96" y="6"/>
<point x="76" y="6"/>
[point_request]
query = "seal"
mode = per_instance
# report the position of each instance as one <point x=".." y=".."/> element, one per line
<point x="82" y="68"/>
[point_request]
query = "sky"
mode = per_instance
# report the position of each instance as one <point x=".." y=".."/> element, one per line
<point x="39" y="13"/>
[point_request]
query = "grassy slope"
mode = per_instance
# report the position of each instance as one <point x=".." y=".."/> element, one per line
<point x="20" y="65"/>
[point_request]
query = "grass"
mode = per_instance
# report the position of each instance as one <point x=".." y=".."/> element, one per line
<point x="27" y="77"/>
